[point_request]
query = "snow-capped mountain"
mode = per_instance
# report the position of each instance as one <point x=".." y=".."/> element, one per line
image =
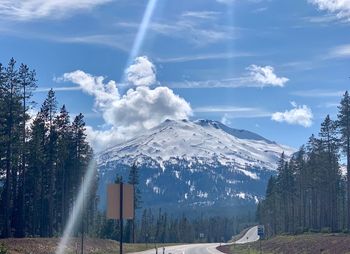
<point x="198" y="163"/>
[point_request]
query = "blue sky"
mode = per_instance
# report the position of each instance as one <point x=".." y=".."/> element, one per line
<point x="272" y="67"/>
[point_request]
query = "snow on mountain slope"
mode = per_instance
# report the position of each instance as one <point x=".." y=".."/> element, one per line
<point x="202" y="140"/>
<point x="206" y="160"/>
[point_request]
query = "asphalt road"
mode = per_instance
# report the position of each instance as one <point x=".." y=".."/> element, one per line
<point x="204" y="248"/>
<point x="250" y="236"/>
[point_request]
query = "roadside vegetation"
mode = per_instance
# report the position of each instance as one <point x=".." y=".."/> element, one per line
<point x="48" y="246"/>
<point x="311" y="193"/>
<point x="302" y="244"/>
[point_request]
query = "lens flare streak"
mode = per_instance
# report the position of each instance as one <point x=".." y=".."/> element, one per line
<point x="78" y="208"/>
<point x="141" y="33"/>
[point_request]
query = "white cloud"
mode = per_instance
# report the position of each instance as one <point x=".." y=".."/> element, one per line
<point x="146" y="108"/>
<point x="318" y="93"/>
<point x="199" y="32"/>
<point x="142" y="72"/>
<point x="266" y="76"/>
<point x="341" y="51"/>
<point x="141" y="108"/>
<point x="226" y="120"/>
<point x="226" y="1"/>
<point x="105" y="93"/>
<point x="233" y="112"/>
<point x="341" y="8"/>
<point x="226" y="109"/>
<point x="201" y="14"/>
<point x="258" y="76"/>
<point x="300" y="115"/>
<point x="36" y="9"/>
<point x="203" y="57"/>
<point x="113" y="41"/>
<point x="58" y="89"/>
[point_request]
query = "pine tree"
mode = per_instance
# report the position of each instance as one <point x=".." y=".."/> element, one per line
<point x="63" y="166"/>
<point x="36" y="177"/>
<point x="27" y="82"/>
<point x="344" y="127"/>
<point x="134" y="180"/>
<point x="11" y="112"/>
<point x="329" y="139"/>
<point x="48" y="110"/>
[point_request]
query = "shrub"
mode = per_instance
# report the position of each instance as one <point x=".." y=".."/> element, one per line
<point x="3" y="249"/>
<point x="326" y="230"/>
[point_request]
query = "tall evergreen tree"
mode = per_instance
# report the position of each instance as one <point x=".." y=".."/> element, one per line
<point x="40" y="165"/>
<point x="134" y="180"/>
<point x="12" y="106"/>
<point x="344" y="127"/>
<point x="27" y="82"/>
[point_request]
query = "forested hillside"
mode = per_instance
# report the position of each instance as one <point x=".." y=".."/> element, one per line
<point x="42" y="159"/>
<point x="310" y="192"/>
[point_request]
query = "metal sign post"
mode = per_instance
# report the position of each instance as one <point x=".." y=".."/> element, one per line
<point x="82" y="219"/>
<point x="121" y="217"/>
<point x="120" y="205"/>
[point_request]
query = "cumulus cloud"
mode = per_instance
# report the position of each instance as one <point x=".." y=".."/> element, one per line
<point x="36" y="9"/>
<point x="104" y="93"/>
<point x="300" y="115"/>
<point x="139" y="109"/>
<point x="142" y="72"/>
<point x="341" y="8"/>
<point x="265" y="75"/>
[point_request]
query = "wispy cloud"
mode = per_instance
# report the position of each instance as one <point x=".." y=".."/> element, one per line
<point x="257" y="76"/>
<point x="37" y="9"/>
<point x="229" y="2"/>
<point x="109" y="40"/>
<point x="223" y="109"/>
<point x="201" y="14"/>
<point x="199" y="32"/>
<point x="226" y="1"/>
<point x="58" y="89"/>
<point x="321" y="19"/>
<point x="223" y="83"/>
<point x="231" y="112"/>
<point x="112" y="41"/>
<point x="318" y="93"/>
<point x="328" y="105"/>
<point x="214" y="56"/>
<point x="341" y="51"/>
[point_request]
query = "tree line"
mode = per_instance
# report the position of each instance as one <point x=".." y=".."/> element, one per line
<point x="161" y="227"/>
<point x="42" y="159"/>
<point x="310" y="193"/>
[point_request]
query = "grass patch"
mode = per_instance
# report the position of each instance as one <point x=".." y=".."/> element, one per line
<point x="49" y="245"/>
<point x="307" y="243"/>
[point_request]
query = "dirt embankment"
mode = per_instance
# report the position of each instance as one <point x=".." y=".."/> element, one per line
<point x="300" y="244"/>
<point x="49" y="245"/>
<point x="91" y="246"/>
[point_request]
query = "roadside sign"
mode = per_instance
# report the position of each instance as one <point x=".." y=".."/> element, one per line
<point x="113" y="201"/>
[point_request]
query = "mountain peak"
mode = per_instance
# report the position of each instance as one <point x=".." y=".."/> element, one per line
<point x="205" y="139"/>
<point x="195" y="163"/>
